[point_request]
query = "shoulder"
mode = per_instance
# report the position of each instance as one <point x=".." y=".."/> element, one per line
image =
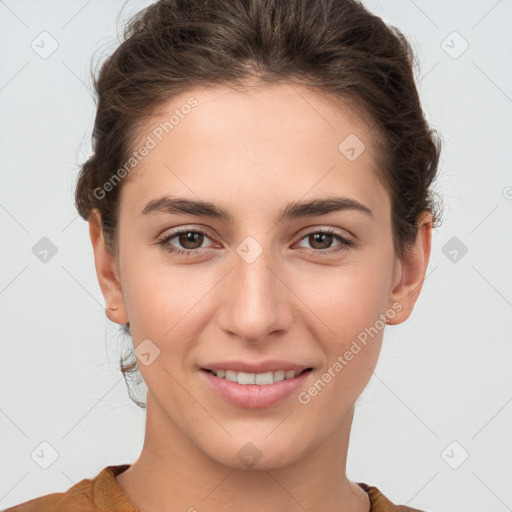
<point x="379" y="502"/>
<point x="74" y="499"/>
<point x="56" y="502"/>
<point x="88" y="495"/>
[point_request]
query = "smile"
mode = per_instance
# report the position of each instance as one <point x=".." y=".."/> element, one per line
<point x="255" y="390"/>
<point x="260" y="379"/>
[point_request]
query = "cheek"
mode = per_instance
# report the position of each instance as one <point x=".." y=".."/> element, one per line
<point x="350" y="329"/>
<point x="348" y="298"/>
<point x="344" y="308"/>
<point x="166" y="303"/>
<point x="151" y="289"/>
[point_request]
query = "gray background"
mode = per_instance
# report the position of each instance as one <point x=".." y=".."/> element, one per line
<point x="442" y="389"/>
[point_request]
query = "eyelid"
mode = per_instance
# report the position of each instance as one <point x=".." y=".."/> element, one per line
<point x="180" y="229"/>
<point x="326" y="229"/>
<point x="345" y="243"/>
<point x="302" y="233"/>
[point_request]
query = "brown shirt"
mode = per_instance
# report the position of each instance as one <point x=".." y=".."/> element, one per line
<point x="103" y="494"/>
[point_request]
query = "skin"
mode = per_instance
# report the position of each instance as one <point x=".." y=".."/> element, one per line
<point x="252" y="153"/>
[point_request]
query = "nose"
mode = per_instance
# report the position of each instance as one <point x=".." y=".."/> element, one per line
<point x="256" y="300"/>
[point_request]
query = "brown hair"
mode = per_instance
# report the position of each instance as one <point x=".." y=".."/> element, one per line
<point x="335" y="47"/>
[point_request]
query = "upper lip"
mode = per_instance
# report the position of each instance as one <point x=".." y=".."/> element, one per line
<point x="261" y="367"/>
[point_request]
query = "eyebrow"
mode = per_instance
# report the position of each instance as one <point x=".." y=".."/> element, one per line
<point x="293" y="210"/>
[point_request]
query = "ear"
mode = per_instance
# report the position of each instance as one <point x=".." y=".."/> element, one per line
<point x="410" y="273"/>
<point x="107" y="272"/>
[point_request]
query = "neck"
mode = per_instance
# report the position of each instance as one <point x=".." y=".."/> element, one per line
<point x="173" y="473"/>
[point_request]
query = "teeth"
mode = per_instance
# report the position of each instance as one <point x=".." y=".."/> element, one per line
<point x="255" y="378"/>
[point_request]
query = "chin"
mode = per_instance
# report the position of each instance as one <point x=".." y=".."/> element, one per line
<point x="254" y="453"/>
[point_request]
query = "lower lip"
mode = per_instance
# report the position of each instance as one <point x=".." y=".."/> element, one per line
<point x="254" y="396"/>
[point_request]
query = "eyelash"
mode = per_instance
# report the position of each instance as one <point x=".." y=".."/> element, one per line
<point x="345" y="243"/>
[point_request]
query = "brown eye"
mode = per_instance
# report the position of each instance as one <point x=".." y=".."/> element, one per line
<point x="185" y="242"/>
<point x="190" y="239"/>
<point x="320" y="240"/>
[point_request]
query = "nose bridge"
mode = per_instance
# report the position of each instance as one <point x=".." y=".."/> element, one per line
<point x="255" y="302"/>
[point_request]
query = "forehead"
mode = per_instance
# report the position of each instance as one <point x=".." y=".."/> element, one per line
<point x="255" y="112"/>
<point x="281" y="140"/>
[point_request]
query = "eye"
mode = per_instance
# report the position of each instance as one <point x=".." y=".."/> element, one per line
<point x="323" y="239"/>
<point x="190" y="239"/>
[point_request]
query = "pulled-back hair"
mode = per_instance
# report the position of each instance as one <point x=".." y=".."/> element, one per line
<point x="334" y="47"/>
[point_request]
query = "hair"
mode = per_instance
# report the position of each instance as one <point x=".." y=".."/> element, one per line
<point x="334" y="47"/>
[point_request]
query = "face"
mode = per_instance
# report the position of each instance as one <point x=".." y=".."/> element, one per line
<point x="253" y="276"/>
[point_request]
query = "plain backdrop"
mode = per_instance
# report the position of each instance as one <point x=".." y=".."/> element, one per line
<point x="433" y="427"/>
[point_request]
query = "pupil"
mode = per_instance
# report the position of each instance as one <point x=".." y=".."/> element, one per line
<point x="321" y="235"/>
<point x="191" y="237"/>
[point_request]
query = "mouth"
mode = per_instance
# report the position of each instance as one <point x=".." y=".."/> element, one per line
<point x="255" y="390"/>
<point x="257" y="379"/>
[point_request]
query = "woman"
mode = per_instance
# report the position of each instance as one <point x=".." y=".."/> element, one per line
<point x="259" y="207"/>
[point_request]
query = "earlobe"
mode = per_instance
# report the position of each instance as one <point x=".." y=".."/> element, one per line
<point x="106" y="271"/>
<point x="413" y="270"/>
